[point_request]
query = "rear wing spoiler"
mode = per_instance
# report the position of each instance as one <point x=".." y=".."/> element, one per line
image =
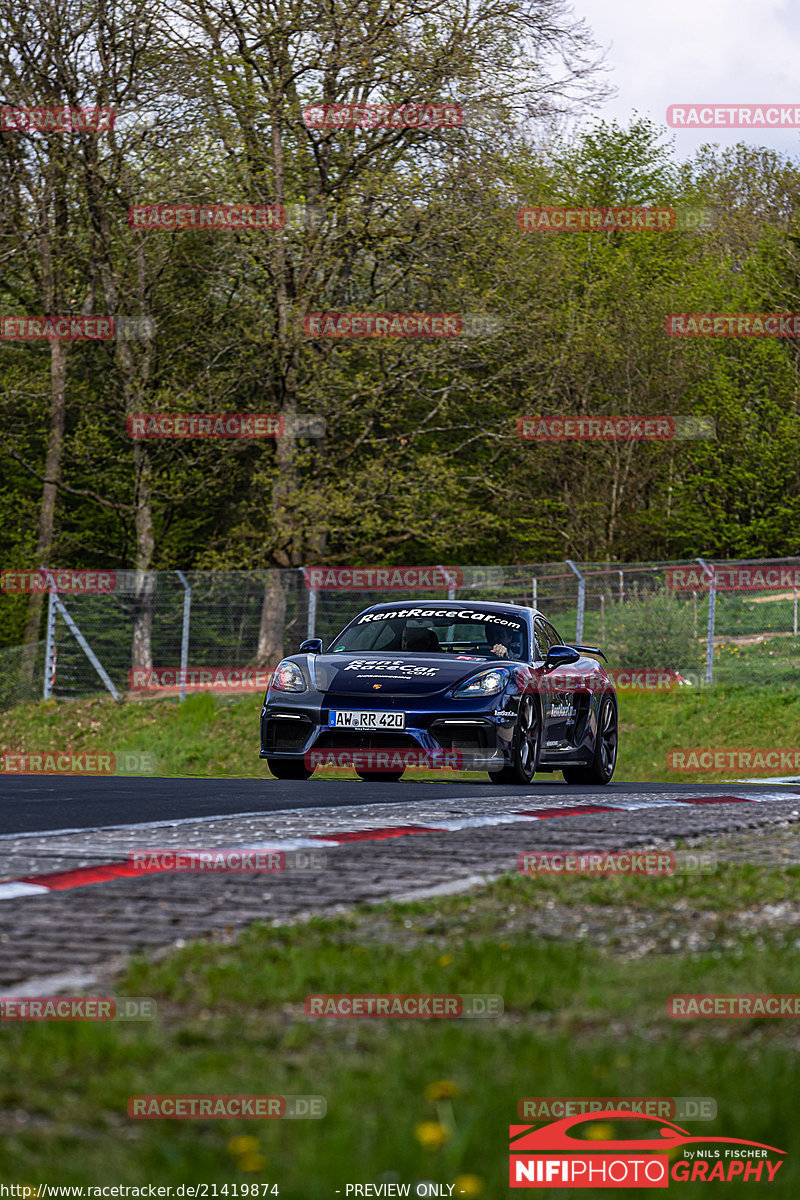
<point x="590" y="650"/>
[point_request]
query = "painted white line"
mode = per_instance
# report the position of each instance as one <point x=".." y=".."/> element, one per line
<point x="51" y="985"/>
<point x="45" y="833"/>
<point x="631" y="805"/>
<point x="446" y="889"/>
<point x="274" y="844"/>
<point x="769" y="780"/>
<point x="478" y="822"/>
<point x="10" y="891"/>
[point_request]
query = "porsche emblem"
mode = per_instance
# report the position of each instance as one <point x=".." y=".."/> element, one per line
<point x="376" y="686"/>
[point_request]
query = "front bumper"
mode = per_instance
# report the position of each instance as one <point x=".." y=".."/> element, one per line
<point x="470" y="740"/>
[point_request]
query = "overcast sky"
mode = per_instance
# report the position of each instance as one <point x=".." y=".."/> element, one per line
<point x="700" y="51"/>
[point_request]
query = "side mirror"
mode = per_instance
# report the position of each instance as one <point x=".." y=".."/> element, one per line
<point x="560" y="656"/>
<point x="312" y="646"/>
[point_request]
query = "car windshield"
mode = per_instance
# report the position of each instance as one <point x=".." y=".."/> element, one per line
<point x="464" y="631"/>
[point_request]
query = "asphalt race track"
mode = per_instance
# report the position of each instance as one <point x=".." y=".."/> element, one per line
<point x="31" y="803"/>
<point x="73" y="907"/>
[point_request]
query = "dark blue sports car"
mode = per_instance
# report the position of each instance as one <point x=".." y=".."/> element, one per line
<point x="467" y="683"/>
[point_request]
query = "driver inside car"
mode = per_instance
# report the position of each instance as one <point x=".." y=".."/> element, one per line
<point x="508" y="642"/>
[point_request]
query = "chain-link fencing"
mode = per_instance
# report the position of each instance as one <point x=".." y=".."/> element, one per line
<point x="173" y="632"/>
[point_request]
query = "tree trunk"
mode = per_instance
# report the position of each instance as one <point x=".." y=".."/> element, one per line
<point x="142" y="642"/>
<point x="52" y="474"/>
<point x="273" y="622"/>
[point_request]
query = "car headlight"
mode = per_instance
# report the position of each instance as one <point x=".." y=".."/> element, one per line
<point x="488" y="683"/>
<point x="288" y="677"/>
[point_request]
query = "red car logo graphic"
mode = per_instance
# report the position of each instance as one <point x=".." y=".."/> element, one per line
<point x="554" y="1156"/>
<point x="555" y="1136"/>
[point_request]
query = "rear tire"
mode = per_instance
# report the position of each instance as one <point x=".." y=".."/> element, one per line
<point x="286" y="768"/>
<point x="525" y="747"/>
<point x="380" y="776"/>
<point x="605" y="750"/>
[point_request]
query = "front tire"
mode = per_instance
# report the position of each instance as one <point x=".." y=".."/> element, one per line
<point x="605" y="750"/>
<point x="525" y="747"/>
<point x="287" y="768"/>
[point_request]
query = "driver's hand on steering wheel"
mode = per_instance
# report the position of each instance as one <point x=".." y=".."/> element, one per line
<point x="500" y="650"/>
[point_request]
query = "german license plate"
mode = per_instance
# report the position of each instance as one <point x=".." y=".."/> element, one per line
<point x="364" y="719"/>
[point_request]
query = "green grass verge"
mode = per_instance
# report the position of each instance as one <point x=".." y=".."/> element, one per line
<point x="208" y="736"/>
<point x="578" y="1021"/>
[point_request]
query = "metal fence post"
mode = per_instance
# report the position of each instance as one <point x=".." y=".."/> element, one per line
<point x="712" y="615"/>
<point x="50" y="649"/>
<point x="534" y="592"/>
<point x="581" y="599"/>
<point x="450" y="576"/>
<point x="794" y="623"/>
<point x="187" y="606"/>
<point x="312" y="613"/>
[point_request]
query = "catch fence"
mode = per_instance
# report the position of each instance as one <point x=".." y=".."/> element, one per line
<point x="173" y="632"/>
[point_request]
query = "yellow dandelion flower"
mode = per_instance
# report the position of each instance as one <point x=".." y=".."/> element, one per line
<point x="467" y="1185"/>
<point x="442" y="1089"/>
<point x="431" y="1135"/>
<point x="243" y="1145"/>
<point x="252" y="1162"/>
<point x="445" y="960"/>
<point x="602" y="1132"/>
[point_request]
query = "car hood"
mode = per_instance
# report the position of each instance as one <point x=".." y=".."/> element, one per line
<point x="395" y="674"/>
